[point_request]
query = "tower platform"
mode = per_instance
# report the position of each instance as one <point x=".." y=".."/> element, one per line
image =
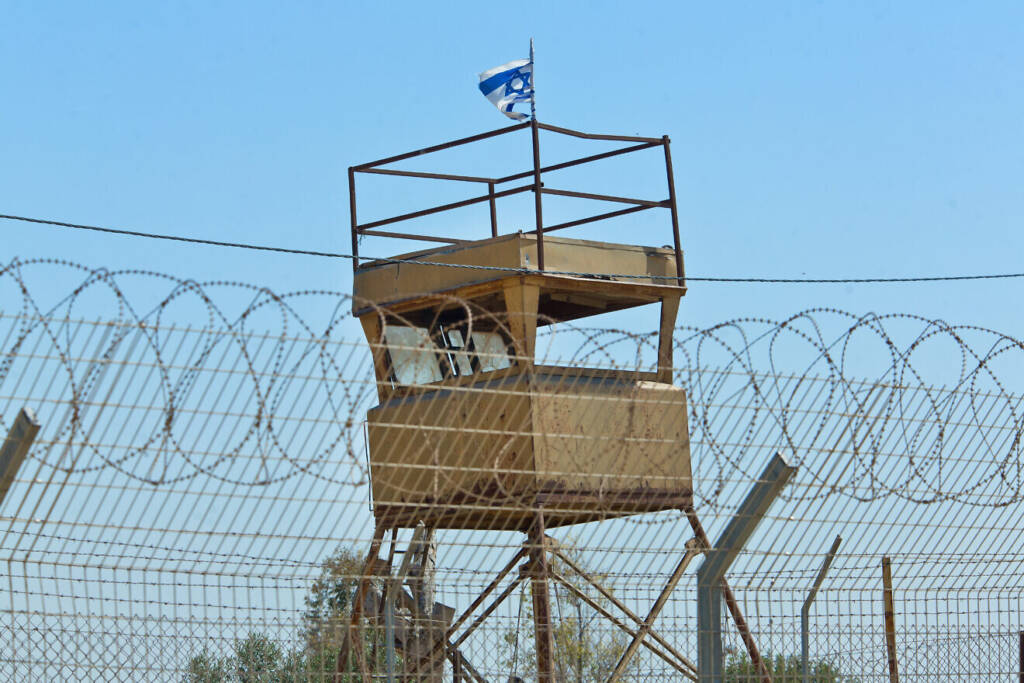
<point x="616" y="276"/>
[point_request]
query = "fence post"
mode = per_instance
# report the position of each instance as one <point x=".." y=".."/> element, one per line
<point x="805" y="612"/>
<point x="890" y="619"/>
<point x="718" y="559"/>
<point x="15" y="448"/>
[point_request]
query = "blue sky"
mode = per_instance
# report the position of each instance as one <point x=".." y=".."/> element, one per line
<point x="817" y="139"/>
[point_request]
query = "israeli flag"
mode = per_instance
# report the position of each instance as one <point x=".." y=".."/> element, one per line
<point x="507" y="85"/>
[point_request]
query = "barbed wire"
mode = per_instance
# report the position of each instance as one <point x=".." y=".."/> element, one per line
<point x="819" y="372"/>
<point x="204" y="448"/>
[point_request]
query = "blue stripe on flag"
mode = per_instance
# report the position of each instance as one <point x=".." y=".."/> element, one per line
<point x="498" y="79"/>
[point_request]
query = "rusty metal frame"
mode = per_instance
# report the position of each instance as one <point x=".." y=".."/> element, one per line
<point x="536" y="186"/>
<point x="353" y="632"/>
<point x="446" y="642"/>
<point x="645" y="627"/>
<point x="694" y="548"/>
<point x="536" y="568"/>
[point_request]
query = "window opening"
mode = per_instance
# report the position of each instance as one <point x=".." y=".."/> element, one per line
<point x="413" y="355"/>
<point x="491" y="351"/>
<point x="462" y="353"/>
<point x="419" y="357"/>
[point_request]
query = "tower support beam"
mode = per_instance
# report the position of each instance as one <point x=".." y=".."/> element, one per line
<point x="543" y="633"/>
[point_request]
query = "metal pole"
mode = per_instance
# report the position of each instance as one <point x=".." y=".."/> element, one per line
<point x="1020" y="658"/>
<point x="730" y="601"/>
<point x="533" y="83"/>
<point x="15" y="447"/>
<point x="494" y="211"/>
<point x="709" y="633"/>
<point x="538" y="210"/>
<point x="693" y="549"/>
<point x="457" y="667"/>
<point x="805" y="612"/>
<point x="352" y="216"/>
<point x="890" y="620"/>
<point x="719" y="558"/>
<point x="544" y="642"/>
<point x="675" y="211"/>
<point x="535" y="133"/>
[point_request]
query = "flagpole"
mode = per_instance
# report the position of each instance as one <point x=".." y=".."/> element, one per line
<point x="539" y="214"/>
<point x="533" y="84"/>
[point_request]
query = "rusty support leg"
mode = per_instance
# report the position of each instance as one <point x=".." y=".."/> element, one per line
<point x="890" y="620"/>
<point x="487" y="612"/>
<point x="683" y="665"/>
<point x="456" y="667"/>
<point x="469" y="673"/>
<point x="610" y="597"/>
<point x="693" y="549"/>
<point x="487" y="591"/>
<point x="352" y="640"/>
<point x="415" y="670"/>
<point x="476" y="603"/>
<point x="744" y="629"/>
<point x="734" y="607"/>
<point x="543" y="632"/>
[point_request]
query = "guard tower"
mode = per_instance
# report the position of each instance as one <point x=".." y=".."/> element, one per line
<point x="471" y="430"/>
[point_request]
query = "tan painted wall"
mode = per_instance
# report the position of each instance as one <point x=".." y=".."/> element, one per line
<point x="482" y="456"/>
<point x="597" y="435"/>
<point x="462" y="446"/>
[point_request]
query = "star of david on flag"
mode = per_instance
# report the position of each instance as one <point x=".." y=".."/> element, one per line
<point x="507" y="85"/>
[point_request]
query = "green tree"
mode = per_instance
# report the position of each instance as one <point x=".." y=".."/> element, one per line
<point x="254" y="659"/>
<point x="329" y="602"/>
<point x="783" y="669"/>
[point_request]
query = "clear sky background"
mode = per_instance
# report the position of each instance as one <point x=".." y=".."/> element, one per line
<point x="809" y="139"/>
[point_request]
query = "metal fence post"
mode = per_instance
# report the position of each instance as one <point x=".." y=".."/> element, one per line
<point x="805" y="612"/>
<point x="15" y="448"/>
<point x="719" y="558"/>
<point x="889" y="618"/>
<point x="1020" y="657"/>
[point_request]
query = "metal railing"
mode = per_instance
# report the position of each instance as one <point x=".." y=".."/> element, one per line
<point x="536" y="186"/>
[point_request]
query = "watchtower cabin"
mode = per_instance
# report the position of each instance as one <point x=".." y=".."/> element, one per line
<point x="472" y="430"/>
